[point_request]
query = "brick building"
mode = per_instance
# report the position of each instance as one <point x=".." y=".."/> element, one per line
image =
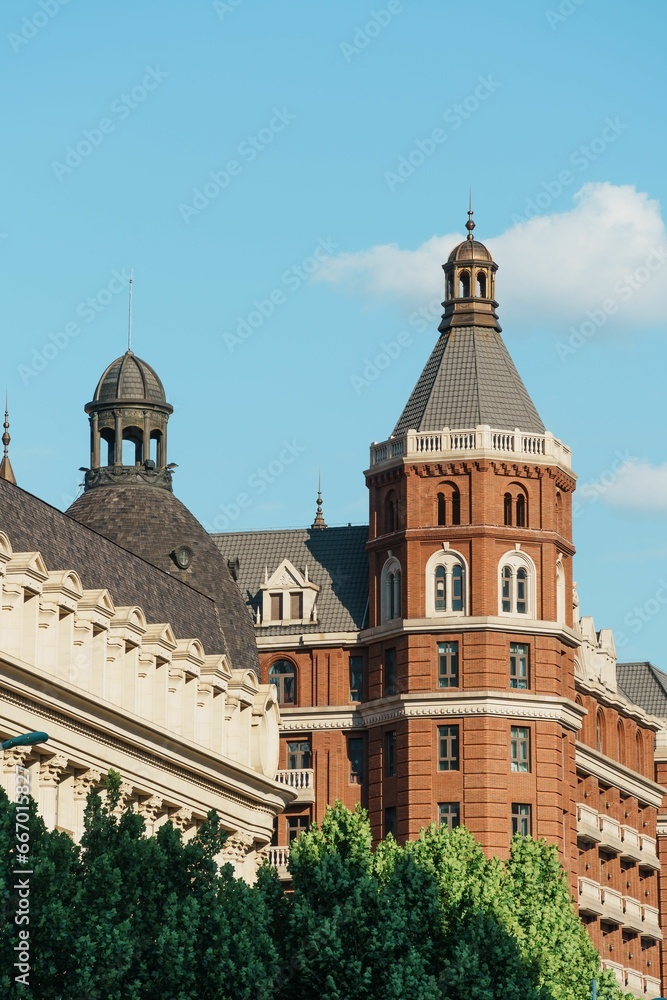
<point x="434" y="666"/>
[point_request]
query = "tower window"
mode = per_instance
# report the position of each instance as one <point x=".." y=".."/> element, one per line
<point x="464" y="285"/>
<point x="520" y="748"/>
<point x="390" y="754"/>
<point x="507" y="508"/>
<point x="517" y="592"/>
<point x="448" y="748"/>
<point x="521" y="819"/>
<point x="448" y="664"/>
<point x="282" y="675"/>
<point x="390" y="821"/>
<point x="481" y="284"/>
<point x="390" y="513"/>
<point x="449" y="814"/>
<point x="515" y="508"/>
<point x="390" y="671"/>
<point x="355" y="753"/>
<point x="521" y="511"/>
<point x="441" y="509"/>
<point x="448" y="505"/>
<point x="356" y="677"/>
<point x="519" y="665"/>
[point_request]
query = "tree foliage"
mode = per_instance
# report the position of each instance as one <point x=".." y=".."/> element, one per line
<point x="123" y="916"/>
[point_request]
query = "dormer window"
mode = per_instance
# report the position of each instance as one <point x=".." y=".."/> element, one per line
<point x="287" y="597"/>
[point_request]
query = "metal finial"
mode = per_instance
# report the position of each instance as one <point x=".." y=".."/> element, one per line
<point x="319" y="521"/>
<point x="470" y="225"/>
<point x="6" y="471"/>
<point x="129" y="319"/>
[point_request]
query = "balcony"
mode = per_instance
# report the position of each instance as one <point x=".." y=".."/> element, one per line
<point x="649" y="854"/>
<point x="610" y="830"/>
<point x="631" y="847"/>
<point x="590" y="897"/>
<point x="634" y="982"/>
<point x="651" y="923"/>
<point x="612" y="906"/>
<point x="279" y="858"/>
<point x="301" y="781"/>
<point x="632" y="915"/>
<point x="588" y="824"/>
<point x="618" y="970"/>
<point x="651" y="987"/>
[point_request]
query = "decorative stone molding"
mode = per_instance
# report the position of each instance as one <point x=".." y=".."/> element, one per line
<point x="236" y="847"/>
<point x="85" y="781"/>
<point x="16" y="757"/>
<point x="51" y="769"/>
<point x="182" y="818"/>
<point x="612" y="773"/>
<point x="151" y="808"/>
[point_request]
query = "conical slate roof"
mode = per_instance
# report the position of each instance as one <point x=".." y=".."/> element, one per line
<point x="470" y="379"/>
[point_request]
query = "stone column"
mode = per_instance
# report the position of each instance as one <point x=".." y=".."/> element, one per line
<point x="50" y="771"/>
<point x="118" y="439"/>
<point x="13" y="760"/>
<point x="146" y="452"/>
<point x="150" y="810"/>
<point x="82" y="786"/>
<point x="94" y="442"/>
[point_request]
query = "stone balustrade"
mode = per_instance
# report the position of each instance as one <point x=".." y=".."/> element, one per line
<point x="590" y="897"/>
<point x="472" y="442"/>
<point x="588" y="824"/>
<point x="632" y="915"/>
<point x="630" y="844"/>
<point x="299" y="780"/>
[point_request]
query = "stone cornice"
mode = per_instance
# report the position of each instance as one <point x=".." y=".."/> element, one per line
<point x="304" y="640"/>
<point x="434" y="705"/>
<point x="617" y="700"/>
<point x="612" y="773"/>
<point x="466" y="623"/>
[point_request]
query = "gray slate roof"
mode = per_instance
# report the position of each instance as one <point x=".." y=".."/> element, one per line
<point x="470" y="379"/>
<point x="337" y="562"/>
<point x="32" y="525"/>
<point x="645" y="685"/>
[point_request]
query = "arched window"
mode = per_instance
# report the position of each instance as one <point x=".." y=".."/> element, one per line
<point x="620" y="743"/>
<point x="390" y="518"/>
<point x="448" y="505"/>
<point x="441" y="509"/>
<point x="507" y="508"/>
<point x="464" y="284"/>
<point x="560" y="591"/>
<point x="391" y="591"/>
<point x="639" y="751"/>
<point x="109" y="438"/>
<point x="481" y="284"/>
<point x="559" y="513"/>
<point x="133" y="446"/>
<point x="446" y="584"/>
<point x="516" y="584"/>
<point x="450" y="288"/>
<point x="599" y="731"/>
<point x="521" y="511"/>
<point x="282" y="674"/>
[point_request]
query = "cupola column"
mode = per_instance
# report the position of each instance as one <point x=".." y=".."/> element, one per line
<point x="146" y="453"/>
<point x="94" y="442"/>
<point x="118" y="438"/>
<point x="162" y="449"/>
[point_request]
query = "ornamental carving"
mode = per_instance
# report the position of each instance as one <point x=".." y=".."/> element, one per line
<point x="51" y="769"/>
<point x="84" y="782"/>
<point x="16" y="757"/>
<point x="182" y="819"/>
<point x="151" y="808"/>
<point x="237" y="846"/>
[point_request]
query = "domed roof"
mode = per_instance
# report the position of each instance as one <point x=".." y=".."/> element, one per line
<point x="469" y="250"/>
<point x="129" y="377"/>
<point x="154" y="525"/>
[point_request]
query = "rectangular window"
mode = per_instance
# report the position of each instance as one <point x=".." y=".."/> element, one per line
<point x="390" y="754"/>
<point x="356" y="677"/>
<point x="519" y="665"/>
<point x="506" y="588"/>
<point x="296" y="606"/>
<point x="449" y="814"/>
<point x="448" y="664"/>
<point x="298" y="755"/>
<point x="520" y="748"/>
<point x="390" y="821"/>
<point x="276" y="607"/>
<point x="390" y="671"/>
<point x="355" y="753"/>
<point x="521" y="819"/>
<point x="295" y="826"/>
<point x="448" y="748"/>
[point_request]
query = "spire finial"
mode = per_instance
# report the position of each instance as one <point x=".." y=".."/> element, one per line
<point x="129" y="318"/>
<point x="319" y="521"/>
<point x="470" y="225"/>
<point x="6" y="471"/>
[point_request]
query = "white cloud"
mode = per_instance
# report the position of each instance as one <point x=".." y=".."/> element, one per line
<point x="552" y="269"/>
<point x="642" y="487"/>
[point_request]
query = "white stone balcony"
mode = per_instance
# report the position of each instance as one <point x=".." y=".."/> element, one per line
<point x="651" y="923"/>
<point x="634" y="982"/>
<point x="590" y="897"/>
<point x="631" y="847"/>
<point x="481" y="442"/>
<point x="618" y="970"/>
<point x="279" y="858"/>
<point x="301" y="781"/>
<point x="649" y="853"/>
<point x="612" y="906"/>
<point x="651" y="987"/>
<point x="632" y="915"/>
<point x="610" y="830"/>
<point x="588" y="824"/>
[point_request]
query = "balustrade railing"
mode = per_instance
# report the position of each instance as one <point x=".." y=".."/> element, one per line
<point x="477" y="439"/>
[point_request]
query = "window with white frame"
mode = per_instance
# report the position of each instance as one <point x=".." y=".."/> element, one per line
<point x="390" y="583"/>
<point x="516" y="585"/>
<point x="446" y="584"/>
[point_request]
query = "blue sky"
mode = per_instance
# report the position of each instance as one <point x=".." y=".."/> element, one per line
<point x="245" y="158"/>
